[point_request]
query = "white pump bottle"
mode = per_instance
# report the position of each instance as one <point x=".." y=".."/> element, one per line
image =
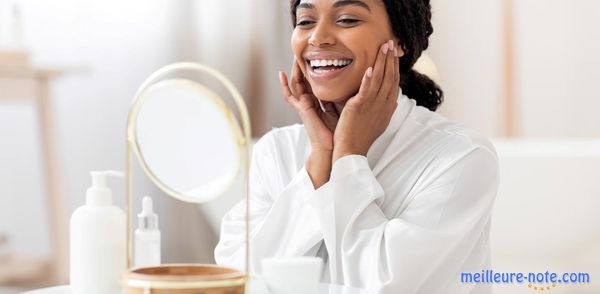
<point x="98" y="241"/>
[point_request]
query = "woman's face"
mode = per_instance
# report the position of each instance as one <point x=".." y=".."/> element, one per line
<point x="335" y="41"/>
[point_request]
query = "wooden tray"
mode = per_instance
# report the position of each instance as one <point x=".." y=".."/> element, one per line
<point x="184" y="278"/>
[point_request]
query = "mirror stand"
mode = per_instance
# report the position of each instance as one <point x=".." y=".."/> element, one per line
<point x="185" y="278"/>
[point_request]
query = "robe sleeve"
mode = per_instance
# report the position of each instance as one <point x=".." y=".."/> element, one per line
<point x="282" y="224"/>
<point x="396" y="255"/>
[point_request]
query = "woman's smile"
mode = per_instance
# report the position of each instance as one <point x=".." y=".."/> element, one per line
<point x="323" y="66"/>
<point x="336" y="41"/>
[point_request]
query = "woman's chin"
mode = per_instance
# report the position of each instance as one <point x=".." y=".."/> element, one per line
<point x="332" y="96"/>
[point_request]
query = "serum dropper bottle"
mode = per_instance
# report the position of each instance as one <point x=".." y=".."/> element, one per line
<point x="147" y="236"/>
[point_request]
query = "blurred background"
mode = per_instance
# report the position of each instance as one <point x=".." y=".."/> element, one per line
<point x="524" y="73"/>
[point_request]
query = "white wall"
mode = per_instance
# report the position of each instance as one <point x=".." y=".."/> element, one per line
<point x="558" y="67"/>
<point x="555" y="45"/>
<point x="466" y="47"/>
<point x="249" y="42"/>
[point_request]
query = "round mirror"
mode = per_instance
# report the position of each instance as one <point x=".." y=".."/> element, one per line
<point x="186" y="139"/>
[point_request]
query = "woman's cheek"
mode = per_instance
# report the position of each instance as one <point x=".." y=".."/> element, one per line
<point x="297" y="43"/>
<point x="367" y="61"/>
<point x="373" y="52"/>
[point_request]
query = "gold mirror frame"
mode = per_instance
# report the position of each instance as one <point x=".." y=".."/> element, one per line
<point x="243" y="139"/>
<point x="215" y="99"/>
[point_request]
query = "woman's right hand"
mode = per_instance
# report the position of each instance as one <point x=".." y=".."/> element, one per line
<point x="319" y="125"/>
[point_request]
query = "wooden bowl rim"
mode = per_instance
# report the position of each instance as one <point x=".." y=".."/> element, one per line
<point x="234" y="274"/>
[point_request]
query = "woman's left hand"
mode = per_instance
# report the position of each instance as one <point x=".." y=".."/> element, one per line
<point x="366" y="115"/>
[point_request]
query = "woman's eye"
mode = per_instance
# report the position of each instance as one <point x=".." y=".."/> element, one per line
<point x="348" y="21"/>
<point x="304" y="23"/>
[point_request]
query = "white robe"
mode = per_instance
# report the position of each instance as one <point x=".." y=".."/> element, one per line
<point x="407" y="218"/>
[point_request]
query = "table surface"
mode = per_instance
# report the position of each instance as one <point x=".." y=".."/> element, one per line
<point x="255" y="287"/>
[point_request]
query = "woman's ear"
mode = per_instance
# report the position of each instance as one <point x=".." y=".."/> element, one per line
<point x="400" y="49"/>
<point x="400" y="46"/>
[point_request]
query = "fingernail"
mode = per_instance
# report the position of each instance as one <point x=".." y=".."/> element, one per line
<point x="392" y="47"/>
<point x="385" y="49"/>
<point x="369" y="72"/>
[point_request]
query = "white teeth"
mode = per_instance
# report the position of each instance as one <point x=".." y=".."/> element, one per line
<point x="322" y="71"/>
<point x="334" y="62"/>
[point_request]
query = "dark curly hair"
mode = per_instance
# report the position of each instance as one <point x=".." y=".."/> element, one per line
<point x="411" y="23"/>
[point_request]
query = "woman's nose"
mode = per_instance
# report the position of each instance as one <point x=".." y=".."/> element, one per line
<point x="321" y="36"/>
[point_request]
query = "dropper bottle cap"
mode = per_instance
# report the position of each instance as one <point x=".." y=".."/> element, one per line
<point x="147" y="219"/>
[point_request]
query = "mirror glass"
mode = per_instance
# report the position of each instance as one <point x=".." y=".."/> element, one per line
<point x="187" y="139"/>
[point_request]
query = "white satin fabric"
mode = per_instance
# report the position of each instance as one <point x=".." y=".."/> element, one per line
<point x="407" y="218"/>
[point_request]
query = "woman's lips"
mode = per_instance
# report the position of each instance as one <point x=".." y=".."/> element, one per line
<point x="321" y="74"/>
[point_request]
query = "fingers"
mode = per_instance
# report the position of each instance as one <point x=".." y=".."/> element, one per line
<point x="330" y="108"/>
<point x="307" y="87"/>
<point x="393" y="94"/>
<point x="377" y="80"/>
<point x="387" y="84"/>
<point x="366" y="90"/>
<point x="287" y="93"/>
<point x="320" y="103"/>
<point x="298" y="80"/>
<point x="378" y="70"/>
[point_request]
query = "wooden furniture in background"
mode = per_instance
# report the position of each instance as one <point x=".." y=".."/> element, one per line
<point x="510" y="123"/>
<point x="25" y="83"/>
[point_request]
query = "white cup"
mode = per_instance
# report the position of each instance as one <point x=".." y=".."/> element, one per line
<point x="292" y="275"/>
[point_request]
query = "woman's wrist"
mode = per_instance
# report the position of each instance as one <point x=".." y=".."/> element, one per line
<point x="343" y="150"/>
<point x="318" y="166"/>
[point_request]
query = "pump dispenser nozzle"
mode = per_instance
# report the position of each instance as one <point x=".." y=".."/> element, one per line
<point x="99" y="193"/>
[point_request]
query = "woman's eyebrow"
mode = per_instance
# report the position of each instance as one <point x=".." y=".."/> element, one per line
<point x="305" y="5"/>
<point x="337" y="4"/>
<point x="359" y="3"/>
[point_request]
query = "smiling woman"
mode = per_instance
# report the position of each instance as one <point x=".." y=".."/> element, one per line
<point x="358" y="26"/>
<point x="392" y="196"/>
